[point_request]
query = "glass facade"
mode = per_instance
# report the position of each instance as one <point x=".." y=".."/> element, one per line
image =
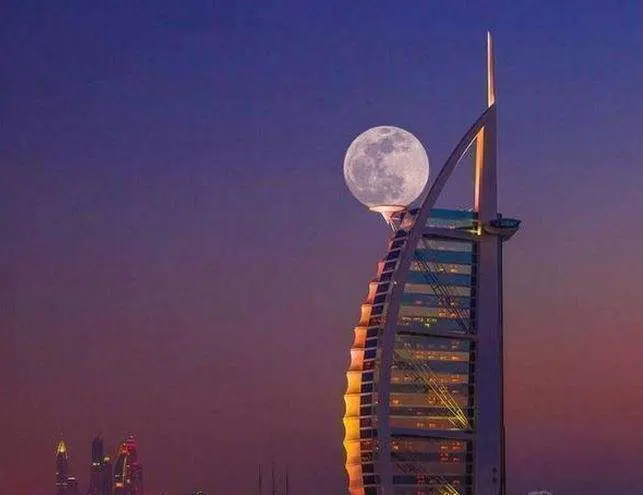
<point x="430" y="383"/>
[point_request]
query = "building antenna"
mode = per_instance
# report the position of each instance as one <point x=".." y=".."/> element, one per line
<point x="287" y="482"/>
<point x="259" y="480"/>
<point x="272" y="475"/>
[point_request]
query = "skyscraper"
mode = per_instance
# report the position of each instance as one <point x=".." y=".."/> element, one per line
<point x="62" y="468"/>
<point x="72" y="486"/>
<point x="96" y="467"/>
<point x="108" y="479"/>
<point x="65" y="484"/>
<point x="128" y="471"/>
<point x="424" y="400"/>
<point x="100" y="472"/>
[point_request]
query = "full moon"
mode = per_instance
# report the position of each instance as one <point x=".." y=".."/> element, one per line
<point x="386" y="167"/>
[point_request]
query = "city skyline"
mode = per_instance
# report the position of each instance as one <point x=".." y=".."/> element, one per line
<point x="181" y="257"/>
<point x="123" y="476"/>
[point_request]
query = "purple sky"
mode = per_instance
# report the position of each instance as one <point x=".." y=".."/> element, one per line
<point x="181" y="259"/>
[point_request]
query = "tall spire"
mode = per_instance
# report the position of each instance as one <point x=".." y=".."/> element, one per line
<point x="491" y="75"/>
<point x="62" y="469"/>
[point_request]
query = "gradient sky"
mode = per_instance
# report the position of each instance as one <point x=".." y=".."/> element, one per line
<point x="181" y="259"/>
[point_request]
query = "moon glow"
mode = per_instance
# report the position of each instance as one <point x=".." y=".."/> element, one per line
<point x="386" y="166"/>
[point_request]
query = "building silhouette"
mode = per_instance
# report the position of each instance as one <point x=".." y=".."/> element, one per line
<point x="62" y="468"/>
<point x="108" y="477"/>
<point x="424" y="400"/>
<point x="128" y="471"/>
<point x="100" y="469"/>
<point x="277" y="484"/>
<point x="65" y="484"/>
<point x="72" y="486"/>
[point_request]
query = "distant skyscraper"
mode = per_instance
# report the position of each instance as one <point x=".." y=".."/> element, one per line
<point x="72" y="486"/>
<point x="97" y="450"/>
<point x="62" y="468"/>
<point x="424" y="400"/>
<point x="96" y="467"/>
<point x="108" y="479"/>
<point x="65" y="484"/>
<point x="100" y="470"/>
<point x="128" y="472"/>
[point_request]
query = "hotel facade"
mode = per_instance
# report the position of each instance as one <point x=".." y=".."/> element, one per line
<point x="424" y="400"/>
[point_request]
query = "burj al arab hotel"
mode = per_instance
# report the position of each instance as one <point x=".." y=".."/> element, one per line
<point x="424" y="400"/>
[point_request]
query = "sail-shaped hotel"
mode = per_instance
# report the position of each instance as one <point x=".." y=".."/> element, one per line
<point x="424" y="400"/>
